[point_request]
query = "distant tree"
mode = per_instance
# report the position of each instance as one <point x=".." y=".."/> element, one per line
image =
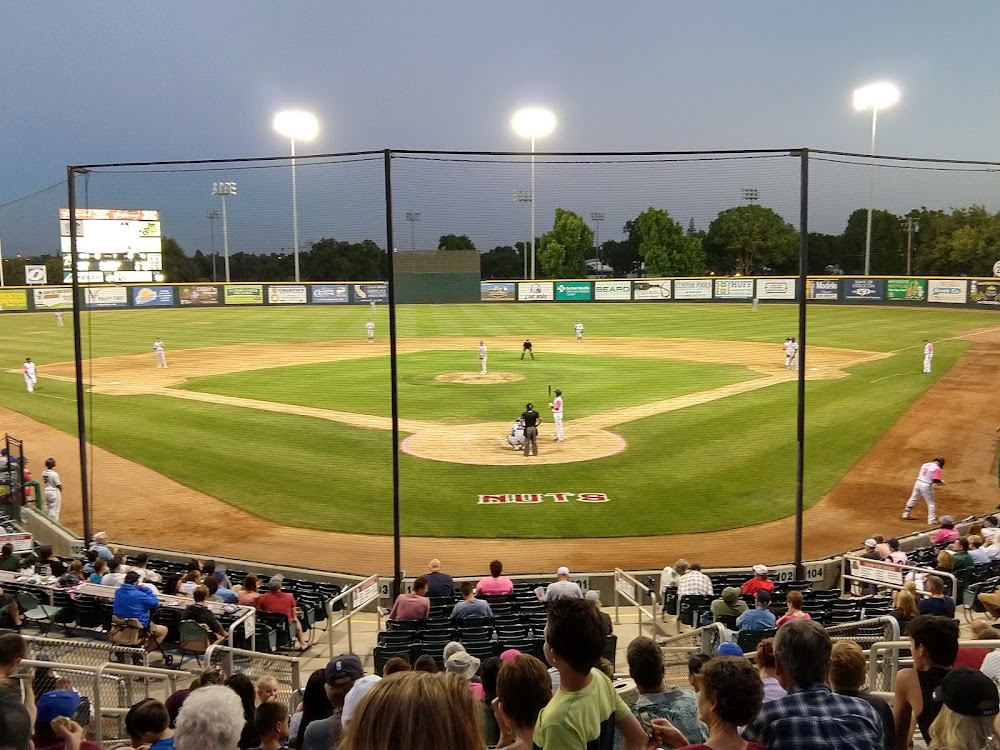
<point x="964" y="242"/>
<point x="888" y="253"/>
<point x="747" y="239"/>
<point x="455" y="242"/>
<point x="331" y="260"/>
<point x="502" y="262"/>
<point x="563" y="252"/>
<point x="824" y="250"/>
<point x="664" y="248"/>
<point x="622" y="256"/>
<point x="177" y="267"/>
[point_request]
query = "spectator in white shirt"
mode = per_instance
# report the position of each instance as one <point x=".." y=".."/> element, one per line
<point x="562" y="587"/>
<point x="117" y="575"/>
<point x="979" y="554"/>
<point x="990" y="528"/>
<point x="895" y="555"/>
<point x="693" y="581"/>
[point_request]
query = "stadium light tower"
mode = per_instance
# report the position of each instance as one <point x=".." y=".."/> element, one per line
<point x="533" y="122"/>
<point x="212" y="216"/>
<point x="522" y="195"/>
<point x="224" y="189"/>
<point x="597" y="217"/>
<point x="413" y="217"/>
<point x="874" y="96"/>
<point x="296" y="125"/>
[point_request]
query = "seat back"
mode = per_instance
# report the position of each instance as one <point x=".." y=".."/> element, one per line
<point x="749" y="639"/>
<point x="728" y="620"/>
<point x="194" y="637"/>
<point x="127" y="631"/>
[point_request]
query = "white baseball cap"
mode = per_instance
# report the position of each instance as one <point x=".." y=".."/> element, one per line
<point x="869" y="542"/>
<point x="760" y="570"/>
<point x="358" y="691"/>
<point x="563" y="571"/>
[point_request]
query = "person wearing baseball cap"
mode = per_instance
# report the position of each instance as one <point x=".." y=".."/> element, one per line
<point x="52" y="705"/>
<point x="728" y="649"/>
<point x="870" y="553"/>
<point x="341" y="674"/>
<point x="970" y="704"/>
<point x="760" y="617"/>
<point x="358" y="691"/>
<point x="759" y="582"/>
<point x="728" y="605"/>
<point x="561" y="588"/>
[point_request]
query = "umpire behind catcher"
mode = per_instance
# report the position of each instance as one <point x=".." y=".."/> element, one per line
<point x="531" y="419"/>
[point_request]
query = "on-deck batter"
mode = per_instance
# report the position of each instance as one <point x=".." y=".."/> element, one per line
<point x="929" y="475"/>
<point x="557" y="414"/>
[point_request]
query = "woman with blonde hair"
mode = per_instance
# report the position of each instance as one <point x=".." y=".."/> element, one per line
<point x="965" y="721"/>
<point x="418" y="711"/>
<point x="906" y="609"/>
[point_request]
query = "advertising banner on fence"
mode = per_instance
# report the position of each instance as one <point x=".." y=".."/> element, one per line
<point x="692" y="289"/>
<point x="286" y="294"/>
<point x="244" y="294"/>
<point x="734" y="288"/>
<point x="908" y="290"/>
<point x="822" y="288"/>
<point x="199" y="295"/>
<point x="36" y="275"/>
<point x="952" y="291"/>
<point x="535" y="291"/>
<point x="369" y="292"/>
<point x="984" y="292"/>
<point x="497" y="291"/>
<point x="53" y="298"/>
<point x="613" y="290"/>
<point x="106" y="296"/>
<point x="13" y="299"/>
<point x="869" y="289"/>
<point x="329" y="294"/>
<point x="651" y="290"/>
<point x="573" y="291"/>
<point x="775" y="289"/>
<point x="152" y="296"/>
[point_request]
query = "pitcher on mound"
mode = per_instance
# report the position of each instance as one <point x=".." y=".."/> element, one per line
<point x="930" y="474"/>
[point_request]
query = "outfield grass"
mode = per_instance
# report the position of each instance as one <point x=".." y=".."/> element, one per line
<point x="724" y="464"/>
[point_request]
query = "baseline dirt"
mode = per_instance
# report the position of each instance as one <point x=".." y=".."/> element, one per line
<point x="956" y="418"/>
<point x="476" y="378"/>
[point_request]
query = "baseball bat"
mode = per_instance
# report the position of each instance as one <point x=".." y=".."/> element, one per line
<point x="550" y="392"/>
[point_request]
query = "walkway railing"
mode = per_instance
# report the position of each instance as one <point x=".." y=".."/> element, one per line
<point x="634" y="591"/>
<point x="354" y="600"/>
<point x="885" y="574"/>
<point x="884" y="662"/>
<point x="286" y="670"/>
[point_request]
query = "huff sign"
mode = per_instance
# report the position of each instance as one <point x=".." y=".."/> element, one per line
<point x="533" y="498"/>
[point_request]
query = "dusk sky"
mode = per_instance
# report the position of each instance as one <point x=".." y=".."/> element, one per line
<point x="120" y="81"/>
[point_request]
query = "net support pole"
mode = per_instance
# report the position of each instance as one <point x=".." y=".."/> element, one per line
<point x="397" y="571"/>
<point x="800" y="417"/>
<point x="81" y="421"/>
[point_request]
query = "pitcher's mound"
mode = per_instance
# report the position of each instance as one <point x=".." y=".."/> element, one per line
<point x="474" y="378"/>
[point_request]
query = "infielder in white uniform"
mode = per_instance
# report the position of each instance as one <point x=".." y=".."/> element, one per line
<point x="579" y="331"/>
<point x="53" y="489"/>
<point x="29" y="375"/>
<point x="930" y="474"/>
<point x="482" y="358"/>
<point x="161" y="355"/>
<point x="59" y="320"/>
<point x="373" y="308"/>
<point x="928" y="356"/>
<point x="790" y="352"/>
<point x="516" y="437"/>
<point x="557" y="415"/>
<point x="370" y="327"/>
<point x="753" y="306"/>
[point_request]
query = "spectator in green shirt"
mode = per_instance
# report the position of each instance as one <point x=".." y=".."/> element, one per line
<point x="961" y="556"/>
<point x="729" y="604"/>
<point x="8" y="560"/>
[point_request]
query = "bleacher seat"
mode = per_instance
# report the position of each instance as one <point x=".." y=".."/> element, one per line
<point x="748" y="639"/>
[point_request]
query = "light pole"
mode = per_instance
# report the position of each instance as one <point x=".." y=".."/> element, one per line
<point x="296" y="125"/>
<point x="533" y="122"/>
<point x="597" y="217"/>
<point x="524" y="196"/>
<point x="874" y="96"/>
<point x="212" y="216"/>
<point x="911" y="224"/>
<point x="224" y="189"/>
<point x="413" y="217"/>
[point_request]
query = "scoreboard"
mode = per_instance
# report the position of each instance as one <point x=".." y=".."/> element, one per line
<point x="113" y="245"/>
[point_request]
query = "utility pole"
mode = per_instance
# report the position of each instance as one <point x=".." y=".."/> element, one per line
<point x="911" y="224"/>
<point x="212" y="216"/>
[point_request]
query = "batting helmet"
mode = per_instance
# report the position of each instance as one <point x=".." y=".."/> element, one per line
<point x="529" y="406"/>
<point x="939" y="461"/>
<point x="558" y="392"/>
<point x="49" y="463"/>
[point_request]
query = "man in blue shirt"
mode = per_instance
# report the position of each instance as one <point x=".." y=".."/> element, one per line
<point x="133" y="600"/>
<point x="100" y="546"/>
<point x="758" y="618"/>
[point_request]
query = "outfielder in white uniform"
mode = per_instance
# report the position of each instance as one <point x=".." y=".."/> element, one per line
<point x="59" y="320"/>
<point x="753" y="306"/>
<point x="373" y="308"/>
<point x="29" y="375"/>
<point x="161" y="355"/>
<point x="557" y="414"/>
<point x="928" y="356"/>
<point x="579" y="331"/>
<point x="930" y="474"/>
<point x="370" y="327"/>
<point x="516" y="437"/>
<point x="482" y="358"/>
<point x="53" y="489"/>
<point x="790" y="352"/>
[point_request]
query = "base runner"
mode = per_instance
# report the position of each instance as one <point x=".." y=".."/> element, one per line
<point x="929" y="475"/>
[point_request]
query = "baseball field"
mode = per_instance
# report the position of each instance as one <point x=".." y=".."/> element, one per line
<point x="274" y="424"/>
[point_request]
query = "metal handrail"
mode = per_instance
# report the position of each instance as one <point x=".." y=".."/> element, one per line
<point x="631" y="589"/>
<point x="352" y="608"/>
<point x="892" y="649"/>
<point x="901" y="567"/>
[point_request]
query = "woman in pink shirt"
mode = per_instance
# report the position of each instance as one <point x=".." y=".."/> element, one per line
<point x="794" y="601"/>
<point x="249" y="594"/>
<point x="947" y="532"/>
<point x="496" y="584"/>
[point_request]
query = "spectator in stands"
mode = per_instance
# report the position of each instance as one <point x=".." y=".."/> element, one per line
<point x="990" y="529"/>
<point x="100" y="570"/>
<point x="729" y="604"/>
<point x="561" y="588"/>
<point x="496" y="584"/>
<point x="341" y="674"/>
<point x="225" y="594"/>
<point x="354" y="697"/>
<point x="945" y="562"/>
<point x="695" y="664"/>
<point x="384" y="719"/>
<point x="991" y="601"/>
<point x="767" y="669"/>
<point x="212" y="585"/>
<point x="137" y="601"/>
<point x="10" y="612"/>
<point x="210" y="569"/>
<point x="895" y="555"/>
<point x="13" y="648"/>
<point x="465" y="665"/>
<point x="15" y="722"/>
<point x="522" y="691"/>
<point x="76" y="568"/>
<point x="669" y="576"/>
<point x="794" y="601"/>
<point x="271" y="723"/>
<point x="276" y="600"/>
<point x="425" y="663"/>
<point x="170" y="584"/>
<point x="488" y="672"/>
<point x="870" y="553"/>
<point x="586" y="699"/>
<point x="116" y="573"/>
<point x="978" y="553"/>
<point x="881" y="548"/>
<point x="934" y="646"/>
<point x="151" y="724"/>
<point x="142" y="568"/>
<point x="760" y="617"/>
<point x="199" y="612"/>
<point x="811" y="716"/>
<point x="242" y="685"/>
<point x="189" y="582"/>
<point x="209" y="676"/>
<point x="101" y="546"/>
<point x="470" y="606"/>
<point x="678" y="706"/>
<point x="965" y="721"/>
<point x="759" y="582"/>
<point x="439" y="584"/>
<point x="595" y="597"/>
<point x="91" y="557"/>
<point x="395" y="664"/>
<point x="412" y="606"/>
<point x="8" y="560"/>
<point x="947" y="532"/>
<point x="973" y="656"/>
<point x="211" y="719"/>
<point x="692" y="580"/>
<point x="45" y="556"/>
<point x="936" y="603"/>
<point x="249" y="594"/>
<point x="905" y="610"/>
<point x="731" y="696"/>
<point x="51" y="705"/>
<point x="315" y="705"/>
<point x="848" y="675"/>
<point x="267" y="689"/>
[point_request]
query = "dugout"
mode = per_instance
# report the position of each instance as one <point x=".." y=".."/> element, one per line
<point x="436" y="276"/>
